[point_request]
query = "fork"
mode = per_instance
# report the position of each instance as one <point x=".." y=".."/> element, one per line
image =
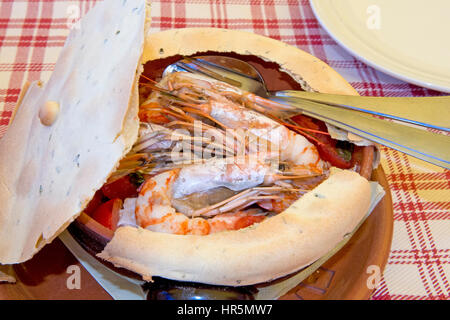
<point x="354" y="113"/>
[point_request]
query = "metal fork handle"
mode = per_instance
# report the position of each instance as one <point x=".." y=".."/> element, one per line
<point x="428" y="146"/>
<point x="431" y="112"/>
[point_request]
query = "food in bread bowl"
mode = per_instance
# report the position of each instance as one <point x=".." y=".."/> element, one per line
<point x="52" y="167"/>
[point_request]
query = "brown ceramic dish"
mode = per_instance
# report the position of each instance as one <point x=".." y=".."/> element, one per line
<point x="342" y="277"/>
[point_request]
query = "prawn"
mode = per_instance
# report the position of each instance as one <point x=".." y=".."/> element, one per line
<point x="212" y="100"/>
<point x="155" y="210"/>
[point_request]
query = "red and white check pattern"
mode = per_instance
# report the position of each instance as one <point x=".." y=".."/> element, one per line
<point x="32" y="33"/>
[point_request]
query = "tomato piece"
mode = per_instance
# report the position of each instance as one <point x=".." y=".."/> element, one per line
<point x="327" y="146"/>
<point x="95" y="202"/>
<point x="121" y="188"/>
<point x="330" y="154"/>
<point x="107" y="213"/>
<point x="305" y="122"/>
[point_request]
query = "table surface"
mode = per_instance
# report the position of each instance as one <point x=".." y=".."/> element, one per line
<point x="32" y="34"/>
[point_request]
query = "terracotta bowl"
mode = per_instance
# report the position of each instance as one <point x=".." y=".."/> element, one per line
<point x="378" y="227"/>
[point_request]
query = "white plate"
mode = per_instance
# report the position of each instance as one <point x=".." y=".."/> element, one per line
<point x="407" y="39"/>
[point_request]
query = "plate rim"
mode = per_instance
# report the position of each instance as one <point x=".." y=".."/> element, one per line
<point x="317" y="7"/>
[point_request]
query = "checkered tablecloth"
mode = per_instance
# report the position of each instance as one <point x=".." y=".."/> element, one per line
<point x="33" y="32"/>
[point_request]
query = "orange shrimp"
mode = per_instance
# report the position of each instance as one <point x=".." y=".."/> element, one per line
<point x="155" y="211"/>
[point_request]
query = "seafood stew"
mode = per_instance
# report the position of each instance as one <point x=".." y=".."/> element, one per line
<point x="210" y="158"/>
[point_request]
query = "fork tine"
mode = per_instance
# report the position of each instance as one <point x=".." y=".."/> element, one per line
<point x="195" y="67"/>
<point x="205" y="63"/>
<point x="225" y="74"/>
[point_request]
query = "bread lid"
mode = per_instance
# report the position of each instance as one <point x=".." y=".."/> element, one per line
<point x="69" y="134"/>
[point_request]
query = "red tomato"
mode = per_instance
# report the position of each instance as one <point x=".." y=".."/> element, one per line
<point x="327" y="147"/>
<point x="329" y="153"/>
<point x="306" y="122"/>
<point x="105" y="215"/>
<point x="94" y="203"/>
<point x="121" y="188"/>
